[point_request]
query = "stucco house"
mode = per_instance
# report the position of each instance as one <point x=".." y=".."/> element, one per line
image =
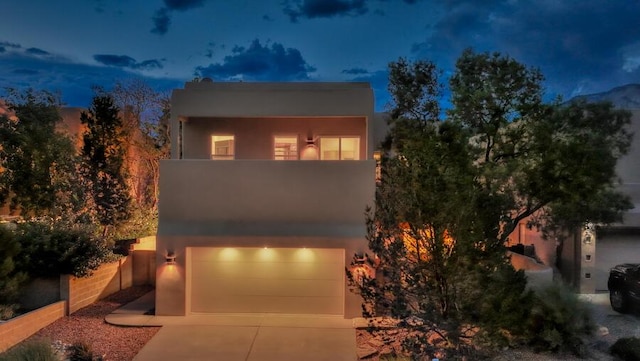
<point x="262" y="204"/>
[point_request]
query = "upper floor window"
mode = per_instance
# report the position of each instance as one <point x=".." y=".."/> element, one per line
<point x="285" y="148"/>
<point x="340" y="148"/>
<point x="222" y="147"/>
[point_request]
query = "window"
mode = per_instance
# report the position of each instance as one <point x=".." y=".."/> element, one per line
<point x="222" y="147"/>
<point x="340" y="148"/>
<point x="285" y="148"/>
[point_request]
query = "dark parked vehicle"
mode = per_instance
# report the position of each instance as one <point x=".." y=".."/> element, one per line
<point x="624" y="287"/>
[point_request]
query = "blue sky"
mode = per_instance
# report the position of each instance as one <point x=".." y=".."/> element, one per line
<point x="581" y="46"/>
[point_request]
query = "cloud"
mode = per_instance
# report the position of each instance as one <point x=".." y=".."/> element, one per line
<point x="124" y="61"/>
<point x="36" y="51"/>
<point x="183" y="5"/>
<point x="162" y="17"/>
<point x="161" y="21"/>
<point x="73" y="80"/>
<point x="355" y="71"/>
<point x="258" y="62"/>
<point x="311" y="9"/>
<point x="575" y="44"/>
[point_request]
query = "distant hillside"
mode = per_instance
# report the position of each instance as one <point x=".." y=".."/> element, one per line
<point x="625" y="97"/>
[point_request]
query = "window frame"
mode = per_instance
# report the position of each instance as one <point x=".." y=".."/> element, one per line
<point x="231" y="156"/>
<point x="273" y="146"/>
<point x="340" y="138"/>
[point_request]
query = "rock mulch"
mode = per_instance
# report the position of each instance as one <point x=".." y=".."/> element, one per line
<point x="87" y="325"/>
<point x="382" y="340"/>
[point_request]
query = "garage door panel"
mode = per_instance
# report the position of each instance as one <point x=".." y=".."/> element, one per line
<point x="269" y="270"/>
<point x="287" y="288"/>
<point x="613" y="250"/>
<point x="236" y="254"/>
<point x="270" y="304"/>
<point x="277" y="280"/>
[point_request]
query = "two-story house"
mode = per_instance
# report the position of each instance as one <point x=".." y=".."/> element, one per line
<point x="262" y="204"/>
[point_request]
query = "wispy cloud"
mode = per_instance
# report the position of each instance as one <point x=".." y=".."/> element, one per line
<point x="311" y="9"/>
<point x="162" y="17"/>
<point x="124" y="61"/>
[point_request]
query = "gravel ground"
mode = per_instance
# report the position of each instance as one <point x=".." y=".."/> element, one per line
<point x="115" y="343"/>
<point x="611" y="326"/>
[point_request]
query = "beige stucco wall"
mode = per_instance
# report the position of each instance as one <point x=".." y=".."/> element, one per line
<point x="253" y="203"/>
<point x="254" y="136"/>
<point x="244" y="100"/>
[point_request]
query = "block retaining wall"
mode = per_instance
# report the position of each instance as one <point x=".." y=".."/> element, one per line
<point x="18" y="329"/>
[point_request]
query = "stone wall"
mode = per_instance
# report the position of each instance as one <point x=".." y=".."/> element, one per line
<point x="19" y="328"/>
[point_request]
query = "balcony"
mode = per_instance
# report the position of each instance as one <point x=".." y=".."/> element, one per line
<point x="265" y="197"/>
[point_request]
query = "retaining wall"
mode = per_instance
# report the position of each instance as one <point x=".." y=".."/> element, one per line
<point x="19" y="328"/>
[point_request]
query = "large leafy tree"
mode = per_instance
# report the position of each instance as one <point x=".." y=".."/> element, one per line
<point x="103" y="155"/>
<point x="453" y="189"/>
<point x="38" y="162"/>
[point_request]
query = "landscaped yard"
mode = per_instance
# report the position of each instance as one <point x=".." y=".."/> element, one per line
<point x="115" y="343"/>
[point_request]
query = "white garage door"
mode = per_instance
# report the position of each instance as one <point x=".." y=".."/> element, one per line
<point x="612" y="250"/>
<point x="266" y="280"/>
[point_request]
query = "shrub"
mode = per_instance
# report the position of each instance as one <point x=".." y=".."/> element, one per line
<point x="10" y="278"/>
<point x="7" y="311"/>
<point x="626" y="348"/>
<point x="51" y="248"/>
<point x="559" y="320"/>
<point x="81" y="351"/>
<point x="38" y="350"/>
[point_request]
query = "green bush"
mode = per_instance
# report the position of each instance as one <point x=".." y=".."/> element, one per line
<point x="81" y="351"/>
<point x="38" y="350"/>
<point x="51" y="248"/>
<point x="10" y="278"/>
<point x="626" y="348"/>
<point x="559" y="321"/>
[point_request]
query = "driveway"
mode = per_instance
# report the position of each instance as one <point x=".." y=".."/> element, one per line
<point x="239" y="337"/>
<point x="249" y="343"/>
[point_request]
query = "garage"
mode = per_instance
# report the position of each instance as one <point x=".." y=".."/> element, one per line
<point x="266" y="280"/>
<point x="613" y="249"/>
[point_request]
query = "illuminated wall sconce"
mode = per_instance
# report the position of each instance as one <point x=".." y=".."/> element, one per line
<point x="310" y="151"/>
<point x="170" y="258"/>
<point x="377" y="155"/>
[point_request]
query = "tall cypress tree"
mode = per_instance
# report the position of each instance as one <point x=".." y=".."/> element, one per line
<point x="103" y="153"/>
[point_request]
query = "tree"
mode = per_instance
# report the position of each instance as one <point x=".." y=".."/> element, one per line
<point x="10" y="278"/>
<point x="38" y="162"/>
<point x="453" y="189"/>
<point x="103" y="155"/>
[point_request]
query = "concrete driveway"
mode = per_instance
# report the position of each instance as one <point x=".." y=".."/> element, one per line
<point x="249" y="343"/>
<point x="239" y="337"/>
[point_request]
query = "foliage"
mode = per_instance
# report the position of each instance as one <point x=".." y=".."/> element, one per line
<point x="81" y="351"/>
<point x="103" y="155"/>
<point x="10" y="278"/>
<point x="37" y="350"/>
<point x="50" y="248"/>
<point x="626" y="348"/>
<point x="8" y="311"/>
<point x="146" y="123"/>
<point x="38" y="163"/>
<point x="559" y="320"/>
<point x="452" y="191"/>
<point x="142" y="223"/>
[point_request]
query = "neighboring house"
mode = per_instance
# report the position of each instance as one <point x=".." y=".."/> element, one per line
<point x="586" y="257"/>
<point x="262" y="206"/>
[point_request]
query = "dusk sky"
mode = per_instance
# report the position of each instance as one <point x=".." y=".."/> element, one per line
<point x="581" y="46"/>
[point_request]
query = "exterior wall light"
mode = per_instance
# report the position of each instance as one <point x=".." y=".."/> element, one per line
<point x="170" y="258"/>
